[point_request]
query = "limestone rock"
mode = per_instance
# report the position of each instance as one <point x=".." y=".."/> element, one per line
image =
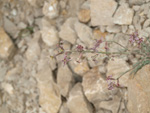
<point x="50" y="98"/>
<point x="34" y="49"/>
<point x="97" y="34"/>
<point x="123" y="15"/>
<point x="10" y="27"/>
<point x="64" y="80"/>
<point x="67" y="31"/>
<point x="102" y="12"/>
<point x="84" y="33"/>
<point x="49" y="36"/>
<point x="77" y="103"/>
<point x="79" y="68"/>
<point x="113" y="29"/>
<point x="137" y="2"/>
<point x="74" y="6"/>
<point x="51" y="9"/>
<point x="95" y="87"/>
<point x="84" y="15"/>
<point x="8" y="88"/>
<point x="116" y="67"/>
<point x="7" y="48"/>
<point x="139" y="92"/>
<point x="112" y="105"/>
<point x="64" y="108"/>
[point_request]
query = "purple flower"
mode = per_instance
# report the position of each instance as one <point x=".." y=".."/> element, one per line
<point x="79" y="48"/>
<point x="66" y="59"/>
<point x="97" y="44"/>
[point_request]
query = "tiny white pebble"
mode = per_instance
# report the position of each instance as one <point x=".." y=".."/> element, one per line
<point x="51" y="8"/>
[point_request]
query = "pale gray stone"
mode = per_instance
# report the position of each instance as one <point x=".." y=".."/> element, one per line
<point x="123" y="15"/>
<point x="76" y="98"/>
<point x="84" y="33"/>
<point x="65" y="80"/>
<point x="137" y="2"/>
<point x="67" y="31"/>
<point x="50" y="36"/>
<point x="7" y="48"/>
<point x="113" y="29"/>
<point x="51" y="9"/>
<point x="139" y="92"/>
<point x="102" y="12"/>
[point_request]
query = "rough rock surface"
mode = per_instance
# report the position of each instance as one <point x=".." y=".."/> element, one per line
<point x="102" y="12"/>
<point x="7" y="48"/>
<point x="139" y="92"/>
<point x="76" y="98"/>
<point x="123" y="15"/>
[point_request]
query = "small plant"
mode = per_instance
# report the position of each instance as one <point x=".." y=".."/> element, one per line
<point x="138" y="46"/>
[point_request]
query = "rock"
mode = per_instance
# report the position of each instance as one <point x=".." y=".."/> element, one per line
<point x="67" y="31"/>
<point x="65" y="80"/>
<point x="102" y="12"/>
<point x="50" y="36"/>
<point x="7" y="48"/>
<point x="74" y="6"/>
<point x="112" y="105"/>
<point x="84" y="33"/>
<point x="50" y="98"/>
<point x="79" y="68"/>
<point x="8" y="88"/>
<point x="124" y="29"/>
<point x="34" y="49"/>
<point x="113" y="29"/>
<point x="136" y="2"/>
<point x="95" y="87"/>
<point x="77" y="103"/>
<point x="123" y="15"/>
<point x="139" y="92"/>
<point x="146" y="23"/>
<point x="98" y="34"/>
<point x="51" y="9"/>
<point x="4" y="109"/>
<point x="64" y="108"/>
<point x="46" y="60"/>
<point x="116" y="67"/>
<point x="10" y="28"/>
<point x="84" y="15"/>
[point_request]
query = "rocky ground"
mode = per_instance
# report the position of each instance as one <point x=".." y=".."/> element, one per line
<point x="32" y="82"/>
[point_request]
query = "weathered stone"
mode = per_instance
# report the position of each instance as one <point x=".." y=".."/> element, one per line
<point x="10" y="28"/>
<point x="84" y="33"/>
<point x="112" y="105"/>
<point x="64" y="80"/>
<point x="8" y="88"/>
<point x="74" y="6"/>
<point x="139" y="92"/>
<point x="67" y="31"/>
<point x="34" y="50"/>
<point x="51" y="9"/>
<point x="7" y="48"/>
<point x="123" y="15"/>
<point x="64" y="108"/>
<point x="79" y="68"/>
<point x="49" y="36"/>
<point x="77" y="103"/>
<point x="95" y="87"/>
<point x="98" y="34"/>
<point x="50" y="98"/>
<point x="124" y="29"/>
<point x="113" y="29"/>
<point x="137" y="2"/>
<point x="116" y="67"/>
<point x="102" y="12"/>
<point x="84" y="15"/>
<point x="46" y="60"/>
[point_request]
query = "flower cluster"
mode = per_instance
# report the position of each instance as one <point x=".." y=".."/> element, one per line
<point x="112" y="84"/>
<point x="134" y="38"/>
